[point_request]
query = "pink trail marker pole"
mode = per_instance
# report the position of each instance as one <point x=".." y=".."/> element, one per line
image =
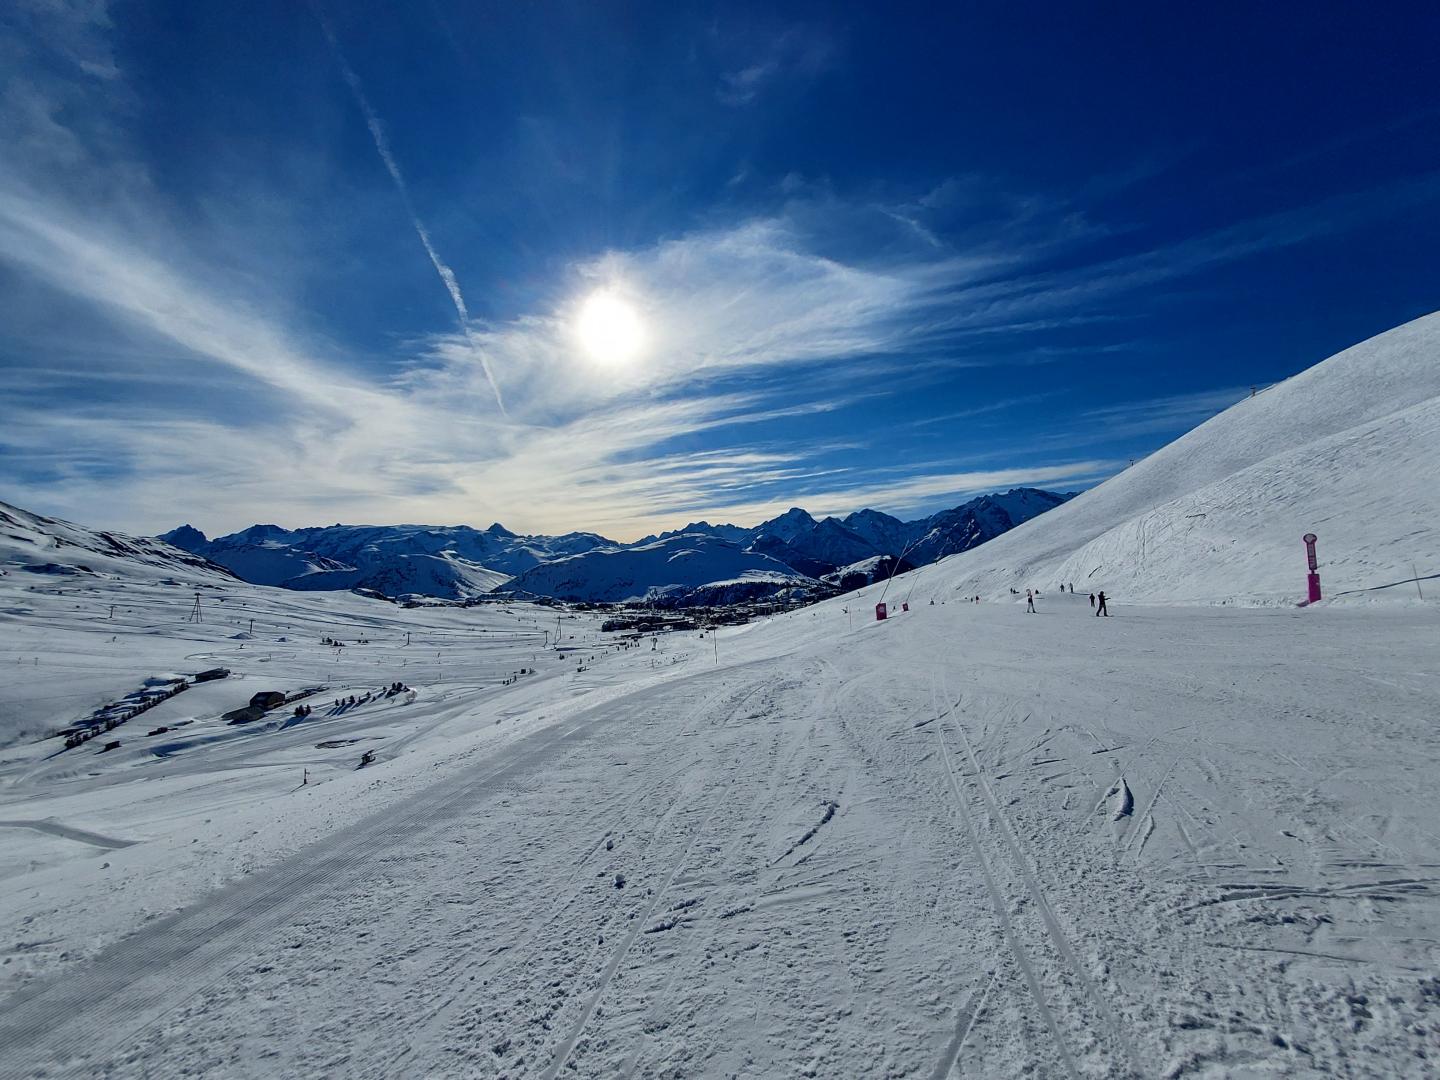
<point x="1312" y="580"/>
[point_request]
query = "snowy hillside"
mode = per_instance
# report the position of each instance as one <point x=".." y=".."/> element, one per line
<point x="260" y="554"/>
<point x="664" y="569"/>
<point x="866" y="572"/>
<point x="1349" y="450"/>
<point x="444" y="575"/>
<point x="39" y="547"/>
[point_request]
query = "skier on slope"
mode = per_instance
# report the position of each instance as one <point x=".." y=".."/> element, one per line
<point x="1092" y="599"/>
<point x="1029" y="602"/>
<point x="1101" y="610"/>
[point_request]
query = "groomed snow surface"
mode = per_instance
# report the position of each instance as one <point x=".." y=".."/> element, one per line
<point x="967" y="840"/>
<point x="963" y="841"/>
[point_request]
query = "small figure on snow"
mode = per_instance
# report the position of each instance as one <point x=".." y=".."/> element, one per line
<point x="1029" y="602"/>
<point x="1101" y="609"/>
<point x="1092" y="599"/>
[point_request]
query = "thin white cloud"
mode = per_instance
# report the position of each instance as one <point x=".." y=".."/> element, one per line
<point x="75" y="257"/>
<point x="988" y="407"/>
<point x="799" y="52"/>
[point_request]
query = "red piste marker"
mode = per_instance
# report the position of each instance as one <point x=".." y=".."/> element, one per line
<point x="1313" y="578"/>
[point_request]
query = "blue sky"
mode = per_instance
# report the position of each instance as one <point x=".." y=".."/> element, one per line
<point x="308" y="263"/>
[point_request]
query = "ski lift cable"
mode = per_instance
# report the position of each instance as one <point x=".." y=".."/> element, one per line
<point x="896" y="565"/>
<point x="914" y="581"/>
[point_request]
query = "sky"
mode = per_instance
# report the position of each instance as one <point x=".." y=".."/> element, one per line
<point x="317" y="262"/>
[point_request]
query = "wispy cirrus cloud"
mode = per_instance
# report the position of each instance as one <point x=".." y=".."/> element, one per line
<point x="772" y="56"/>
<point x="72" y="256"/>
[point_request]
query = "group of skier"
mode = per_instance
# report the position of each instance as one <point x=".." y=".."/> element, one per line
<point x="1097" y="600"/>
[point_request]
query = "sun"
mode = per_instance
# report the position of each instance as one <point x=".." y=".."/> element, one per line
<point x="609" y="329"/>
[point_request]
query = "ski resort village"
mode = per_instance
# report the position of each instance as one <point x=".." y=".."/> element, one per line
<point x="670" y="541"/>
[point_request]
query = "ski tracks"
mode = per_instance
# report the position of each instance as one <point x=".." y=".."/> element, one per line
<point x="132" y="986"/>
<point x="965" y="1018"/>
<point x="618" y="956"/>
<point x="1098" y="1040"/>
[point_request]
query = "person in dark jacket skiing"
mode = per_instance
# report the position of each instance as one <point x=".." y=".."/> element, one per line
<point x="1092" y="599"/>
<point x="1100" y="610"/>
<point x="1029" y="602"/>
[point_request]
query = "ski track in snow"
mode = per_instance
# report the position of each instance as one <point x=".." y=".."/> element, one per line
<point x="1123" y="1058"/>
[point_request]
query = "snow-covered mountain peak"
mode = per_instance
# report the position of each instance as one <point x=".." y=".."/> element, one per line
<point x="788" y="525"/>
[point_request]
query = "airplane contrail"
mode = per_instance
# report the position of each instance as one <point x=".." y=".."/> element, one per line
<point x="387" y="156"/>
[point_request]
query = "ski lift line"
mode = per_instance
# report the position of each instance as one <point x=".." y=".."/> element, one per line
<point x="916" y="579"/>
<point x="896" y="565"/>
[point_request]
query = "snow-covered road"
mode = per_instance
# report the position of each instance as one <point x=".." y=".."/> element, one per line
<point x="964" y="841"/>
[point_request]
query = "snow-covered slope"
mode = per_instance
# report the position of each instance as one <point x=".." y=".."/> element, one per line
<point x="664" y="569"/>
<point x="1348" y="449"/>
<point x="444" y="574"/>
<point x="866" y="572"/>
<point x="33" y="545"/>
<point x="963" y="841"/>
<point x="261" y="554"/>
<point x="371" y="547"/>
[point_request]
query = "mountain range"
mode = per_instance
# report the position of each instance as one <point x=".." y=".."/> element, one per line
<point x="699" y="563"/>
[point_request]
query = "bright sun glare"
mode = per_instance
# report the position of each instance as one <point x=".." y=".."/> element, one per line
<point x="609" y="329"/>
